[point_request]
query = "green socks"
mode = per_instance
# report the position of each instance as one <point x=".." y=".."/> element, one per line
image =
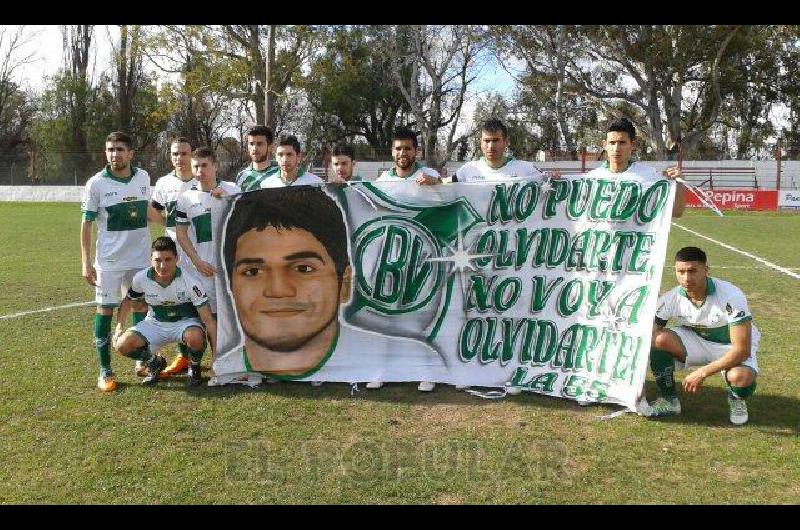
<point x="742" y="392"/>
<point x="102" y="339"/>
<point x="663" y="366"/>
<point x="185" y="351"/>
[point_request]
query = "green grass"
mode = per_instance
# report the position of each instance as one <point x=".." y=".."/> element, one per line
<point x="64" y="442"/>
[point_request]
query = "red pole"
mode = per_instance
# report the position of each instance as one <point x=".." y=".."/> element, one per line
<point x="778" y="159"/>
<point x="583" y="159"/>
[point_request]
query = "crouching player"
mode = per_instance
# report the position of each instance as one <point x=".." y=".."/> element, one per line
<point x="175" y="302"/>
<point x="713" y="331"/>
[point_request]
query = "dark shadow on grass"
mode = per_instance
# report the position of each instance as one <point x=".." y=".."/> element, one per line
<point x="769" y="413"/>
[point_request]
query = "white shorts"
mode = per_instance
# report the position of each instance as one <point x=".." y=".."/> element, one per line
<point x="158" y="334"/>
<point x="700" y="352"/>
<point x="112" y="286"/>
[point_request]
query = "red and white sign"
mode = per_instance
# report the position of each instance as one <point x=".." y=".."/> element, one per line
<point x="737" y="199"/>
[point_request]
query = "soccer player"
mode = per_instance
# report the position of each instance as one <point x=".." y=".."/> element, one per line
<point x="407" y="169"/>
<point x="619" y="144"/>
<point x="177" y="305"/>
<point x="117" y="198"/>
<point x="193" y="221"/>
<point x="165" y="199"/>
<point x="713" y="332"/>
<point x="343" y="162"/>
<point x="495" y="164"/>
<point x="289" y="156"/>
<point x="260" y="141"/>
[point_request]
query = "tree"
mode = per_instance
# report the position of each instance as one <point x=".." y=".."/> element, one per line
<point x="16" y="109"/>
<point x="433" y="66"/>
<point x="348" y="91"/>
<point x="77" y="84"/>
<point x="660" y="71"/>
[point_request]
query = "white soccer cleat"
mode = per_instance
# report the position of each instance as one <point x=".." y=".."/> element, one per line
<point x="663" y="407"/>
<point x="316" y="383"/>
<point x="426" y="386"/>
<point x="738" y="408"/>
<point x="372" y="385"/>
<point x="513" y="390"/>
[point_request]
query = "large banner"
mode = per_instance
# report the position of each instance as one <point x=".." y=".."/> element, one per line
<point x="547" y="285"/>
<point x="789" y="199"/>
<point x="732" y="199"/>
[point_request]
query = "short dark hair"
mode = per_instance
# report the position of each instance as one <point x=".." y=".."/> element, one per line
<point x="305" y="207"/>
<point x="691" y="254"/>
<point x="204" y="152"/>
<point x="262" y="130"/>
<point x="343" y="150"/>
<point x="495" y="125"/>
<point x="164" y="243"/>
<point x="119" y="136"/>
<point x="623" y="125"/>
<point x="403" y="133"/>
<point x="292" y="141"/>
<point x="181" y="140"/>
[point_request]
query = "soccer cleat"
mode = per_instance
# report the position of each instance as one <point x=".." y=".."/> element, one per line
<point x="738" y="408"/>
<point x="372" y="385"/>
<point x="426" y="386"/>
<point x="156" y="364"/>
<point x="195" y="378"/>
<point x="663" y="407"/>
<point x="141" y="369"/>
<point x="316" y="383"/>
<point x="178" y="366"/>
<point x="107" y="383"/>
<point x="513" y="390"/>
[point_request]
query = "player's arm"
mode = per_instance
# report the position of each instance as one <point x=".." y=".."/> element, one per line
<point x="182" y="233"/>
<point x="156" y="213"/>
<point x="211" y="325"/>
<point x="87" y="269"/>
<point x="679" y="205"/>
<point x="736" y="355"/>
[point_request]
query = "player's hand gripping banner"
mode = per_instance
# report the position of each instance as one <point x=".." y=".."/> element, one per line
<point x="549" y="285"/>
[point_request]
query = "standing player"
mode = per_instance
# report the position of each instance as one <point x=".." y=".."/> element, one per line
<point x="260" y="141"/>
<point x="495" y="164"/>
<point x="713" y="331"/>
<point x="193" y="221"/>
<point x="117" y="198"/>
<point x="165" y="198"/>
<point x="343" y="162"/>
<point x="175" y="301"/>
<point x="619" y="145"/>
<point x="407" y="169"/>
<point x="289" y="156"/>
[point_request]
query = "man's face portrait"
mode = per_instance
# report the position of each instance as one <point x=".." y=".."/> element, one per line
<point x="181" y="156"/>
<point x="118" y="155"/>
<point x="404" y="153"/>
<point x="288" y="158"/>
<point x="619" y="147"/>
<point x="258" y="149"/>
<point x="285" y="288"/>
<point x="342" y="166"/>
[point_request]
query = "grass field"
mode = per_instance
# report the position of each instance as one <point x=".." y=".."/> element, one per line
<point x="65" y="442"/>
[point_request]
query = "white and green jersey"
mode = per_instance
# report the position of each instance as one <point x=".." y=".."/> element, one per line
<point x="249" y="178"/>
<point x="480" y="170"/>
<point x="390" y="175"/>
<point x="647" y="173"/>
<point x="306" y="179"/>
<point x="725" y="306"/>
<point x="176" y="301"/>
<point x="194" y="210"/>
<point x="120" y="208"/>
<point x="165" y="198"/>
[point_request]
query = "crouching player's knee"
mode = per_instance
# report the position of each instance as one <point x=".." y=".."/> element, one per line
<point x="741" y="381"/>
<point x="130" y="344"/>
<point x="195" y="339"/>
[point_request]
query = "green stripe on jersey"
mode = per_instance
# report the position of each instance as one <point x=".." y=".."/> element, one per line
<point x="719" y="335"/>
<point x="89" y="216"/>
<point x="202" y="227"/>
<point x="126" y="216"/>
<point x="174" y="313"/>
